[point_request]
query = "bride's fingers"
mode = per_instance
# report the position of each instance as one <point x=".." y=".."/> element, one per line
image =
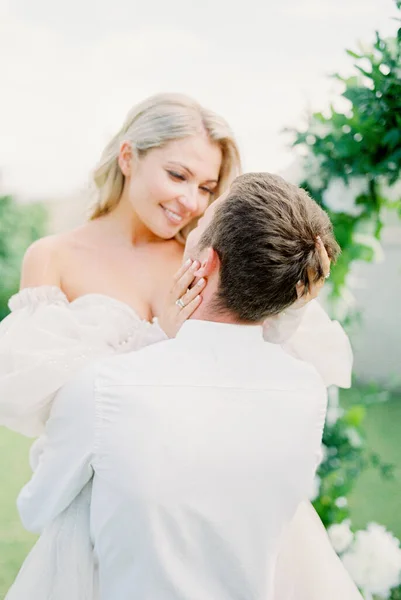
<point x="183" y="282"/>
<point x="314" y="286"/>
<point x="300" y="288"/>
<point x="184" y="267"/>
<point x="191" y="300"/>
<point x="193" y="292"/>
<point x="323" y="257"/>
<point x="189" y="308"/>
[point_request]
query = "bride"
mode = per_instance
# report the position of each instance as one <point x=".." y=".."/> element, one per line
<point x="97" y="290"/>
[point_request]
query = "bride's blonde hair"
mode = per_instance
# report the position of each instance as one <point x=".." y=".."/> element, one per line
<point x="156" y="121"/>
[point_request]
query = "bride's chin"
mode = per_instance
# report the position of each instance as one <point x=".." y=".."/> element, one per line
<point x="160" y="228"/>
<point x="166" y="233"/>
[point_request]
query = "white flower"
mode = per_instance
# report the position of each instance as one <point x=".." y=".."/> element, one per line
<point x="334" y="410"/>
<point x="315" y="489"/>
<point x="341" y="502"/>
<point x="333" y="414"/>
<point x="340" y="536"/>
<point x="339" y="197"/>
<point x="325" y="452"/>
<point x="354" y="438"/>
<point x="374" y="560"/>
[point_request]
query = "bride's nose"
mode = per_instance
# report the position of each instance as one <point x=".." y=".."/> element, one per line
<point x="189" y="201"/>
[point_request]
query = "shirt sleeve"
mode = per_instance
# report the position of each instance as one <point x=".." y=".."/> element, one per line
<point x="66" y="460"/>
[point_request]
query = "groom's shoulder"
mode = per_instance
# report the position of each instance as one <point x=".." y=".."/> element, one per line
<point x="170" y="361"/>
<point x="295" y="372"/>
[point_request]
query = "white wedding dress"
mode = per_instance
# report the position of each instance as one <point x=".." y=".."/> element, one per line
<point x="46" y="339"/>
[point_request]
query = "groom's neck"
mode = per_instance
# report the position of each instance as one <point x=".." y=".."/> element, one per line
<point x="206" y="313"/>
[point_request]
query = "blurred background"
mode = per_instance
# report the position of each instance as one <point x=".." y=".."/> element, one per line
<point x="300" y="105"/>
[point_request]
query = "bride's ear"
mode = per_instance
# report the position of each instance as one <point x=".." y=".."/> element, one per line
<point x="209" y="263"/>
<point x="125" y="158"/>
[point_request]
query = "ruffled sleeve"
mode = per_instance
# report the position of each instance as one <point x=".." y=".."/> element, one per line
<point x="46" y="339"/>
<point x="310" y="335"/>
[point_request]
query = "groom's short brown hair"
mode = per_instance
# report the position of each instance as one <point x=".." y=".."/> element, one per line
<point x="265" y="233"/>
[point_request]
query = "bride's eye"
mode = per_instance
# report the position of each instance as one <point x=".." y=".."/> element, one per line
<point x="176" y="176"/>
<point x="206" y="190"/>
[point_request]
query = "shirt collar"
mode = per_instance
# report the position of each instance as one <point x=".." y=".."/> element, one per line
<point x="220" y="333"/>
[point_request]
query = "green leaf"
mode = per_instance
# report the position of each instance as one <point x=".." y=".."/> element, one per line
<point x="364" y="72"/>
<point x="353" y="54"/>
<point x="355" y="415"/>
<point x="392" y="138"/>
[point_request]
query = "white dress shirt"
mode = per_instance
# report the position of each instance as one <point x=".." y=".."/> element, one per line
<point x="200" y="448"/>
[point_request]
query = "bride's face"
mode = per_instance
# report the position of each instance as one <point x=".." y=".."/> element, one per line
<point x="171" y="185"/>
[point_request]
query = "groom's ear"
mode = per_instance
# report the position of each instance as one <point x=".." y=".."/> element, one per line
<point x="209" y="263"/>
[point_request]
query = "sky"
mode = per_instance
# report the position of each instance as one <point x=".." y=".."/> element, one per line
<point x="71" y="70"/>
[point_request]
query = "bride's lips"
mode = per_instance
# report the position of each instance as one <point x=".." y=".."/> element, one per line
<point x="172" y="216"/>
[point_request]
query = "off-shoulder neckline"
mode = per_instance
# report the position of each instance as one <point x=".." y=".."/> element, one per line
<point x="52" y="293"/>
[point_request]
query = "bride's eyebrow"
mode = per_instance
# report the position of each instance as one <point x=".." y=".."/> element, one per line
<point x="177" y="164"/>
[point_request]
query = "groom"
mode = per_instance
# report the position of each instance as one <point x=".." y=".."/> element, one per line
<point x="201" y="447"/>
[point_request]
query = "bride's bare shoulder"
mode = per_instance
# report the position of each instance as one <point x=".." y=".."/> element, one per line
<point x="43" y="260"/>
<point x="39" y="266"/>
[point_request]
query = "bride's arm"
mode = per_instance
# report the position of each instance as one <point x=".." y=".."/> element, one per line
<point x="25" y="340"/>
<point x="43" y="342"/>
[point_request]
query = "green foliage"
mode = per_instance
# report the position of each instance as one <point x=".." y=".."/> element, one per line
<point x="346" y="454"/>
<point x="20" y="225"/>
<point x="353" y="155"/>
<point x="396" y="594"/>
<point x="352" y="165"/>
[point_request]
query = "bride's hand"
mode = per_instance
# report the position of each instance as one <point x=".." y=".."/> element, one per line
<point x="314" y="287"/>
<point x="182" y="300"/>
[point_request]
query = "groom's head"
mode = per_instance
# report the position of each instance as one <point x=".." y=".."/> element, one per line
<point x="254" y="244"/>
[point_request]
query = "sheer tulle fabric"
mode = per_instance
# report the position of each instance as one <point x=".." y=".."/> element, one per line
<point x="46" y="339"/>
<point x="307" y="567"/>
<point x="61" y="565"/>
<point x="309" y="334"/>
